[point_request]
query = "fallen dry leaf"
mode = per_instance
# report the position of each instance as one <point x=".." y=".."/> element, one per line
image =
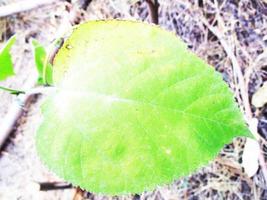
<point x="251" y="157"/>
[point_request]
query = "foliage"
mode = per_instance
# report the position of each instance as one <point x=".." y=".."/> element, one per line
<point x="43" y="67"/>
<point x="134" y="109"/>
<point x="6" y="64"/>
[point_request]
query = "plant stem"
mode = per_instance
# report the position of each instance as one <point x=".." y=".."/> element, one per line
<point x="12" y="91"/>
<point x="41" y="90"/>
<point x="153" y="10"/>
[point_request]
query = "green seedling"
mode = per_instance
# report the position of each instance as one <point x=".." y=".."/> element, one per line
<point x="134" y="109"/>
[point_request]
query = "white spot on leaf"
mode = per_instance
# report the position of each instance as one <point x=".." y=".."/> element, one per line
<point x="168" y="151"/>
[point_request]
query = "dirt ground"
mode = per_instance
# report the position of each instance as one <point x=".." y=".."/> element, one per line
<point x="230" y="35"/>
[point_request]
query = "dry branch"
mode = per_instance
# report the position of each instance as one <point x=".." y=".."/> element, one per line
<point x="22" y="6"/>
<point x="153" y="10"/>
<point x="14" y="113"/>
<point x="46" y="186"/>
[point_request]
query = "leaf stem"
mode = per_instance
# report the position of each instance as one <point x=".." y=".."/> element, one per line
<point x="12" y="91"/>
<point x="38" y="90"/>
<point x="42" y="90"/>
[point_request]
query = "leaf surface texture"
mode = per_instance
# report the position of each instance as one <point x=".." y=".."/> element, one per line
<point x="134" y="109"/>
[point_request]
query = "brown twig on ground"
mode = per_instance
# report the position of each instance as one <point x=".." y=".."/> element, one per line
<point x="22" y="6"/>
<point x="262" y="161"/>
<point x="14" y="113"/>
<point x="153" y="10"/>
<point x="54" y="186"/>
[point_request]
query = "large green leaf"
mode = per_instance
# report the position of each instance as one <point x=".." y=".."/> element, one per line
<point x="6" y="64"/>
<point x="134" y="109"/>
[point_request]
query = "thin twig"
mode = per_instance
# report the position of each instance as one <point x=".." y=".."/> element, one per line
<point x="16" y="109"/>
<point x="263" y="166"/>
<point x="54" y="186"/>
<point x="153" y="10"/>
<point x="22" y="6"/>
<point x="14" y="113"/>
<point x="262" y="162"/>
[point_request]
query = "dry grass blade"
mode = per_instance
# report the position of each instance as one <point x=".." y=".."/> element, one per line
<point x="25" y="5"/>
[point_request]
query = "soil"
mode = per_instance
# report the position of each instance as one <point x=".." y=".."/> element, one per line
<point x="243" y="27"/>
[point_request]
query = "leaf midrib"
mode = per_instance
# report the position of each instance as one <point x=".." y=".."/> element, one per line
<point x="112" y="98"/>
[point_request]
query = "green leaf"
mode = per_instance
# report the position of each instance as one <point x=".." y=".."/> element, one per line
<point x="6" y="64"/>
<point x="134" y="109"/>
<point x="48" y="74"/>
<point x="42" y="64"/>
<point x="39" y="57"/>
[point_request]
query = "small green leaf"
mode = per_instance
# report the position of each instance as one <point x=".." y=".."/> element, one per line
<point x="48" y="74"/>
<point x="6" y="64"/>
<point x="39" y="57"/>
<point x="43" y="66"/>
<point x="134" y="109"/>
